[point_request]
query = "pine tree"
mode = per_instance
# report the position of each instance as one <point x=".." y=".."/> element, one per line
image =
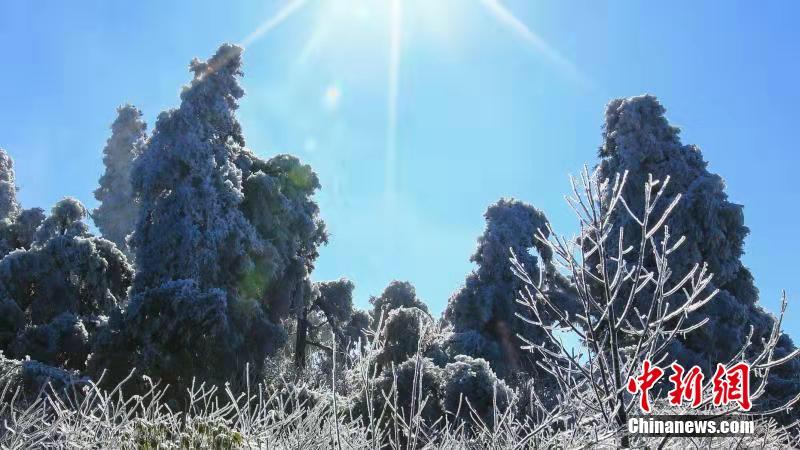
<point x="190" y="225"/>
<point x="118" y="210"/>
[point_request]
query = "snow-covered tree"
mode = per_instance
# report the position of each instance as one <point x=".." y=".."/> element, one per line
<point x="354" y="331"/>
<point x="58" y="293"/>
<point x="21" y="232"/>
<point x="413" y="389"/>
<point x="9" y="207"/>
<point x="190" y="224"/>
<point x="483" y="312"/>
<point x="637" y="138"/>
<point x="398" y="294"/>
<point x="405" y="331"/>
<point x="324" y="320"/>
<point x="17" y="226"/>
<point x="224" y="241"/>
<point x="17" y="229"/>
<point x="278" y="202"/>
<point x="66" y="219"/>
<point x="118" y="210"/>
<point x="192" y="242"/>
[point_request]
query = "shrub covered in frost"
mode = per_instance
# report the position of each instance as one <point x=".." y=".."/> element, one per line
<point x="58" y="293"/>
<point x="411" y="389"/>
<point x="405" y="329"/>
<point x="118" y="210"/>
<point x="471" y="387"/>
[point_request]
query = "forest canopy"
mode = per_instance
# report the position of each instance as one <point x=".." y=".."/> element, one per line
<point x="203" y="274"/>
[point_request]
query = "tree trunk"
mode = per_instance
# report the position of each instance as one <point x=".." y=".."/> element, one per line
<point x="301" y="341"/>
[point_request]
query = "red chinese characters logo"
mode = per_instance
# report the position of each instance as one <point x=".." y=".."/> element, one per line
<point x="732" y="385"/>
<point x="688" y="387"/>
<point x="644" y="382"/>
<point x="729" y="385"/>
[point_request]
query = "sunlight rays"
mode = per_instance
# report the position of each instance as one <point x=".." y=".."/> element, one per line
<point x="514" y="24"/>
<point x="395" y="46"/>
<point x="268" y="25"/>
<point x="321" y="34"/>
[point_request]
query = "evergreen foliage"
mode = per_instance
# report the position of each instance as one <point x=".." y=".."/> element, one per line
<point x="325" y="320"/>
<point x="471" y="387"/>
<point x="17" y="226"/>
<point x="398" y="294"/>
<point x="224" y="241"/>
<point x="59" y="293"/>
<point x="118" y="210"/>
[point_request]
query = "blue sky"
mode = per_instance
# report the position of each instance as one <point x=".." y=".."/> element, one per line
<point x="483" y="110"/>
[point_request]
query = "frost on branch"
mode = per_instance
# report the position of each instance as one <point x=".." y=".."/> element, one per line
<point x="633" y="306"/>
<point x="117" y="213"/>
<point x="637" y="138"/>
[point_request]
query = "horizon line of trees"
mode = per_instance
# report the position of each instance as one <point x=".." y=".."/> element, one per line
<point x="204" y="263"/>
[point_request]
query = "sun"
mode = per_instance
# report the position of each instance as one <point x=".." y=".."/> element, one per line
<point x="376" y="16"/>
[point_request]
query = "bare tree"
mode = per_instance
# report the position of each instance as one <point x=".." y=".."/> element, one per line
<point x="615" y="336"/>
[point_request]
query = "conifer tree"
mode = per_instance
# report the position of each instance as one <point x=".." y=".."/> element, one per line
<point x="398" y="294"/>
<point x="17" y="226"/>
<point x="329" y="313"/>
<point x="117" y="213"/>
<point x="224" y="241"/>
<point x="9" y="207"/>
